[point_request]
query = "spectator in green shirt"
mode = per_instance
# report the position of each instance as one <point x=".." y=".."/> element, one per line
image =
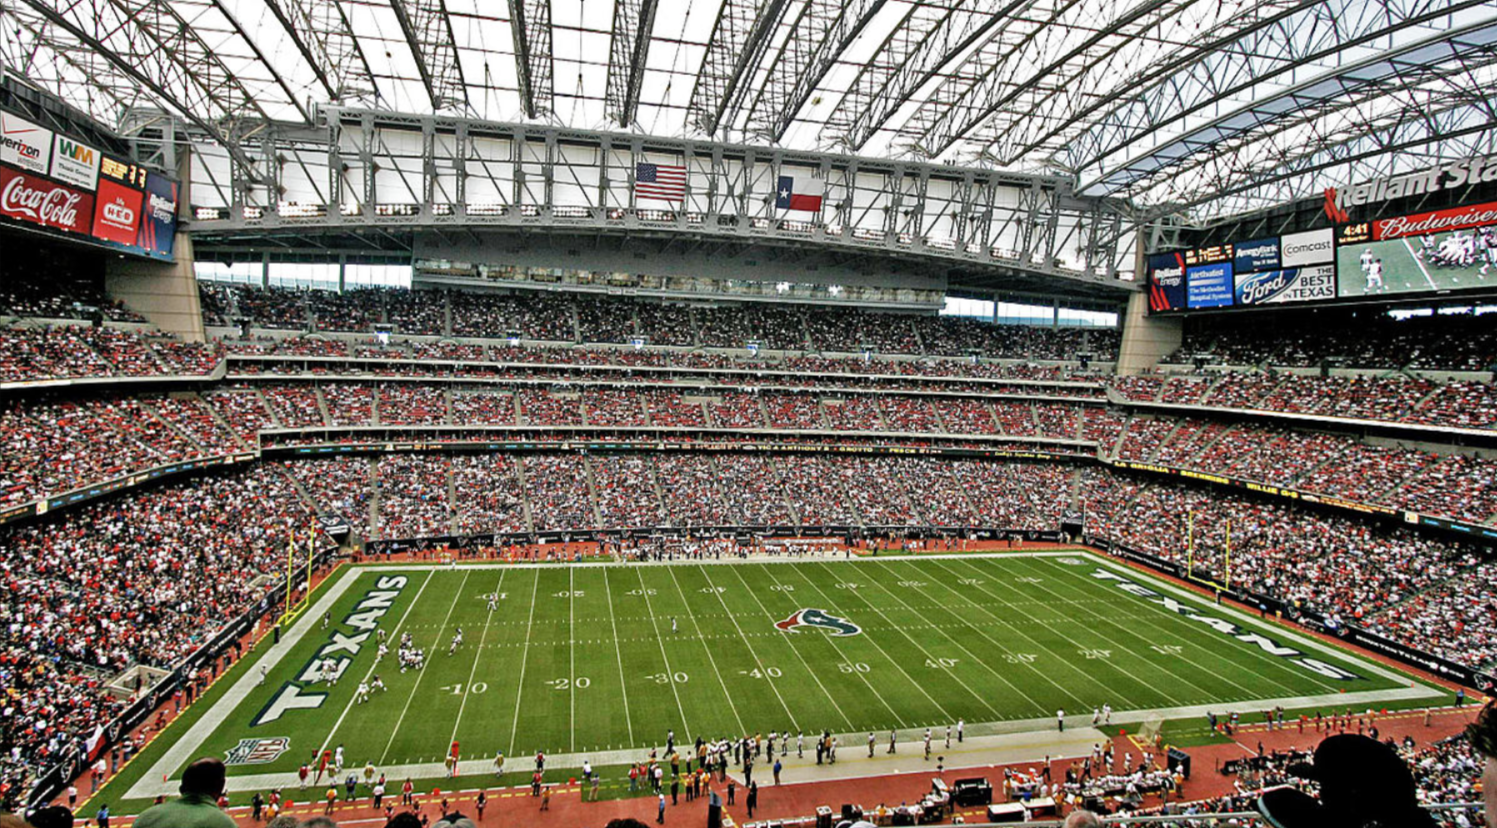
<point x="202" y="785"/>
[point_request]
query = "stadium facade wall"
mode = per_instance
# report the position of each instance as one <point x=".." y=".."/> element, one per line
<point x="1146" y="339"/>
<point x="766" y="266"/>
<point x="165" y="293"/>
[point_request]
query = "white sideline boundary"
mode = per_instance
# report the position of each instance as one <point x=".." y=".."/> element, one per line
<point x="150" y="785"/>
<point x="188" y="743"/>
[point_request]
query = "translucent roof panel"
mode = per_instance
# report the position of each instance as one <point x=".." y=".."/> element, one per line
<point x="1166" y="103"/>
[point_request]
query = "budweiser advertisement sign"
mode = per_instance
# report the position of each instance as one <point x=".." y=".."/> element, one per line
<point x="36" y="200"/>
<point x="1436" y="221"/>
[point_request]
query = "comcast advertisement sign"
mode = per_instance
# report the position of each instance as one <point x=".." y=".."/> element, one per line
<point x="64" y="185"/>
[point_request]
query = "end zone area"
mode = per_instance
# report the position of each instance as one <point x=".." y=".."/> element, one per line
<point x="599" y="661"/>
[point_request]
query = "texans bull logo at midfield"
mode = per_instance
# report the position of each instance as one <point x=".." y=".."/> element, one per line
<point x="818" y="618"/>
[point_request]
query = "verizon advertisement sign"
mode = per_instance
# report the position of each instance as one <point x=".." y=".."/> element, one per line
<point x="24" y="145"/>
<point x="31" y="198"/>
<point x="1437" y="221"/>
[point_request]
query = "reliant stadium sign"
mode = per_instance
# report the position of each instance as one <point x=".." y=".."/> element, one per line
<point x="1478" y="169"/>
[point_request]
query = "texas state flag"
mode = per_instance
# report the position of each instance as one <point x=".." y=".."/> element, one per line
<point x="802" y="195"/>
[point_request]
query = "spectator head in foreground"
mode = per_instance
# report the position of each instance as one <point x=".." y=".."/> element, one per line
<point x="283" y="821"/>
<point x="202" y="785"/>
<point x="205" y="778"/>
<point x="1082" y="818"/>
<point x="1363" y="784"/>
<point x="1483" y="736"/>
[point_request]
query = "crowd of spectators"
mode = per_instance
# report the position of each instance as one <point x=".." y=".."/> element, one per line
<point x="144" y="579"/>
<point x="490" y="498"/>
<point x="51" y="352"/>
<point x="1461" y="486"/>
<point x="1346" y="338"/>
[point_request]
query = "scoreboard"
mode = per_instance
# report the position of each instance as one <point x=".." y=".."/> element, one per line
<point x="1430" y="253"/>
<point x="54" y="181"/>
<point x="1291" y="269"/>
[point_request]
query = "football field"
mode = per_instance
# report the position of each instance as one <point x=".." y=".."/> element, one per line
<point x="587" y="659"/>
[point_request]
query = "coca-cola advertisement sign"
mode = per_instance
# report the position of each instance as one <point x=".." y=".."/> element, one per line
<point x="31" y="198"/>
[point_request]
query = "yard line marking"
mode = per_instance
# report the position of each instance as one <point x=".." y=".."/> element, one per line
<point x="572" y="659"/>
<point x="1011" y="625"/>
<point x="758" y="662"/>
<point x="468" y="688"/>
<point x="394" y="731"/>
<point x="879" y="647"/>
<point x="710" y="657"/>
<point x="918" y="646"/>
<point x="393" y="633"/>
<point x="619" y="654"/>
<point x="1171" y="633"/>
<point x="804" y="663"/>
<point x="1035" y="667"/>
<point x="975" y="657"/>
<point x="669" y="673"/>
<point x="1420" y="262"/>
<point x="1150" y="688"/>
<point x="514" y="728"/>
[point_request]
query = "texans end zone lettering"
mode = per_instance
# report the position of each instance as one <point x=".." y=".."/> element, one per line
<point x="1228" y="628"/>
<point x="340" y="650"/>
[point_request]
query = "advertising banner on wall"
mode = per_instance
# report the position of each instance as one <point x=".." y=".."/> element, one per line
<point x="1295" y="284"/>
<point x="75" y="163"/>
<point x="24" y="146"/>
<point x="1166" y="282"/>
<point x="1262" y="254"/>
<point x="1209" y="286"/>
<point x="117" y="213"/>
<point x="1313" y="247"/>
<point x="30" y="198"/>
<point x="158" y="222"/>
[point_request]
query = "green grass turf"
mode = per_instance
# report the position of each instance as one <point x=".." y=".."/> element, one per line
<point x="580" y="659"/>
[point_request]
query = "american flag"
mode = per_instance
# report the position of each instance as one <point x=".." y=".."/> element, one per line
<point x="660" y="181"/>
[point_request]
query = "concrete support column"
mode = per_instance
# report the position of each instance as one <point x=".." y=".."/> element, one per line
<point x="1146" y="339"/>
<point x="164" y="293"/>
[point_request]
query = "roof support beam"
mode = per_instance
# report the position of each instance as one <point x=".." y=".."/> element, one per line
<point x="260" y="56"/>
<point x="428" y="31"/>
<point x="739" y="39"/>
<point x="151" y="46"/>
<point x="823" y="31"/>
<point x="1437" y="72"/>
<point x="633" y="21"/>
<point x="325" y="39"/>
<point x="927" y="39"/>
<point x="530" y="23"/>
<point x="1027" y="49"/>
<point x="1226" y="79"/>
